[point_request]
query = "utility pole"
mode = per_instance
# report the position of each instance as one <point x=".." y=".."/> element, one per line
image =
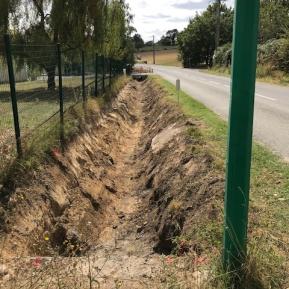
<point x="218" y="24"/>
<point x="154" y="51"/>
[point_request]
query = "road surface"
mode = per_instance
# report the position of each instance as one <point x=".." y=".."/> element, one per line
<point x="271" y="121"/>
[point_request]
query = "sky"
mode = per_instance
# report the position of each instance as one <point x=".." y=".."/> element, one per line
<point x="156" y="17"/>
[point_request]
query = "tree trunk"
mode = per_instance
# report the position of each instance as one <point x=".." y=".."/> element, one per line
<point x="51" y="78"/>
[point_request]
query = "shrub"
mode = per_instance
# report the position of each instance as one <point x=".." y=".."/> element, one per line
<point x="272" y="55"/>
<point x="223" y="55"/>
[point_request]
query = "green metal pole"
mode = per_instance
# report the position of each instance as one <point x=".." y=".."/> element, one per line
<point x="13" y="94"/>
<point x="96" y="76"/>
<point x="240" y="132"/>
<point x="103" y="74"/>
<point x="110" y="72"/>
<point x="61" y="102"/>
<point x="83" y="76"/>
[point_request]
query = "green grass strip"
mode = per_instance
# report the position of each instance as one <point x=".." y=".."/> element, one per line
<point x="269" y="197"/>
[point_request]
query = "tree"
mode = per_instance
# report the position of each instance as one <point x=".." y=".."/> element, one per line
<point x="149" y="43"/>
<point x="173" y="35"/>
<point x="197" y="42"/>
<point x="274" y="20"/>
<point x="138" y="41"/>
<point x="96" y="25"/>
<point x="170" y="38"/>
<point x="7" y="9"/>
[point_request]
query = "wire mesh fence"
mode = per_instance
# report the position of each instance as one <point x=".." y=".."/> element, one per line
<point x="38" y="84"/>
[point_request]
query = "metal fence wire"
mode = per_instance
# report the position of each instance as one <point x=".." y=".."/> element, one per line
<point x="38" y="84"/>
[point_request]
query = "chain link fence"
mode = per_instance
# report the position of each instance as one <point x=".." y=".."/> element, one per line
<point x="38" y="84"/>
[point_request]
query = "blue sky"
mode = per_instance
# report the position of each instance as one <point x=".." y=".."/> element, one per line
<point x="155" y="17"/>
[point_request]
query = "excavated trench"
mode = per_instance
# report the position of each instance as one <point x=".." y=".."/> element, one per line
<point x="125" y="188"/>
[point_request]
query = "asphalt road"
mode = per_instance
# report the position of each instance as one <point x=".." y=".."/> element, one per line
<point x="271" y="121"/>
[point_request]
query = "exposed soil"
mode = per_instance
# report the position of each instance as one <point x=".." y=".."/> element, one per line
<point x="106" y="212"/>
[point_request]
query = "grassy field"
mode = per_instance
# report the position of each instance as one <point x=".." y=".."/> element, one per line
<point x="35" y="102"/>
<point x="269" y="200"/>
<point x="36" y="106"/>
<point x="163" y="57"/>
<point x="47" y="137"/>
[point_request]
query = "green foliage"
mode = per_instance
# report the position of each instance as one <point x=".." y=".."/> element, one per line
<point x="223" y="55"/>
<point x="197" y="41"/>
<point x="94" y="25"/>
<point x="275" y="53"/>
<point x="272" y="55"/>
<point x="138" y="41"/>
<point x="274" y="20"/>
<point x="170" y="38"/>
<point x="7" y="7"/>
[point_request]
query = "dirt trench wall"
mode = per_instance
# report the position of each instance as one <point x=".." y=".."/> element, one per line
<point x="61" y="208"/>
<point x="182" y="187"/>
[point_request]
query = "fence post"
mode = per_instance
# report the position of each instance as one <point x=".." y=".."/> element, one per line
<point x="110" y="72"/>
<point x="240" y="133"/>
<point x="13" y="93"/>
<point x="61" y="105"/>
<point x="83" y="76"/>
<point x="96" y="76"/>
<point x="103" y="74"/>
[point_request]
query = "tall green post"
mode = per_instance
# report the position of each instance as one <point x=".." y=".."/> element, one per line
<point x="103" y="74"/>
<point x="61" y="102"/>
<point x="110" y="72"/>
<point x="83" y="76"/>
<point x="13" y="93"/>
<point x="96" y="76"/>
<point x="240" y="132"/>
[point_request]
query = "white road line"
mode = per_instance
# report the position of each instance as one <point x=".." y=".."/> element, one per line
<point x="214" y="82"/>
<point x="265" y="97"/>
<point x="217" y="85"/>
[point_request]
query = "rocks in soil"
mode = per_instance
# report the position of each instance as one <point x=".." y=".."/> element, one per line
<point x="59" y="201"/>
<point x="68" y="241"/>
<point x="3" y="270"/>
<point x="92" y="199"/>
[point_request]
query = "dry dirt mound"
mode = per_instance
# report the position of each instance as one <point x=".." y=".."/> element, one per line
<point x="102" y="214"/>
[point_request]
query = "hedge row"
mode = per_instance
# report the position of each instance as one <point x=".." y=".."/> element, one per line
<point x="274" y="53"/>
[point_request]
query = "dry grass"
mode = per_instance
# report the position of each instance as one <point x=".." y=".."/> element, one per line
<point x="163" y="57"/>
<point x="264" y="73"/>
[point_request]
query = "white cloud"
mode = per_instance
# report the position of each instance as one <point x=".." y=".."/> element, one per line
<point x="155" y="17"/>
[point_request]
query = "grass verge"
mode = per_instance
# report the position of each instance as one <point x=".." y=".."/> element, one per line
<point x="264" y="73"/>
<point x="267" y="265"/>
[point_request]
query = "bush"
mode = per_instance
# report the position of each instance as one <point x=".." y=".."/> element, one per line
<point x="275" y="53"/>
<point x="223" y="55"/>
<point x="283" y="55"/>
<point x="268" y="53"/>
<point x="272" y="55"/>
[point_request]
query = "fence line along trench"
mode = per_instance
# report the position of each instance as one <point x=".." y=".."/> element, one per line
<point x="38" y="84"/>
